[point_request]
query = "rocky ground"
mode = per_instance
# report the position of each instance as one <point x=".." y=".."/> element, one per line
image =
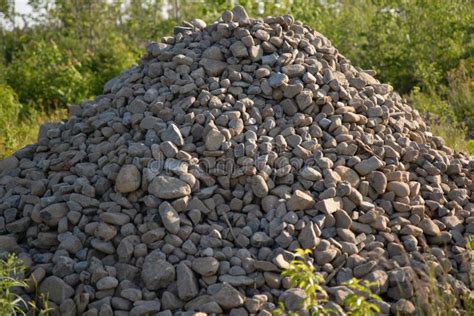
<point x="190" y="182"/>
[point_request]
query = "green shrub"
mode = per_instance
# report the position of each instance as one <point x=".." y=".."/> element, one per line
<point x="105" y="62"/>
<point x="44" y="76"/>
<point x="441" y="119"/>
<point x="460" y="91"/>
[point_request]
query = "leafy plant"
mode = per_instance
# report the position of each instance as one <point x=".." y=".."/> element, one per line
<point x="359" y="301"/>
<point x="302" y="274"/>
<point x="11" y="270"/>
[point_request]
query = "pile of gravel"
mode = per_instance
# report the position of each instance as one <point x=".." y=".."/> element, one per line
<point x="188" y="184"/>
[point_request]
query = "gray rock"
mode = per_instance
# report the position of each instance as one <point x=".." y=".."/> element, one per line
<point x="307" y="237"/>
<point x="259" y="186"/>
<point x="300" y="201"/>
<point x="166" y="187"/>
<point x="294" y="70"/>
<point x="228" y="297"/>
<point x="239" y="14"/>
<point x="329" y="206"/>
<point x="172" y="134"/>
<point x="214" y="140"/>
<point x="56" y="289"/>
<point x="205" y="266"/>
<point x="53" y="213"/>
<point x="399" y="188"/>
<point x="239" y="50"/>
<point x="169" y="217"/>
<point x="107" y="283"/>
<point x="157" y="273"/>
<point x="187" y="283"/>
<point x="213" y="68"/>
<point x="128" y="179"/>
<point x="277" y="80"/>
<point x="325" y="256"/>
<point x="378" y="181"/>
<point x="146" y="308"/>
<point x="403" y="307"/>
<point x="8" y="163"/>
<point x="293" y="299"/>
<point x="429" y="227"/>
<point x="367" y="166"/>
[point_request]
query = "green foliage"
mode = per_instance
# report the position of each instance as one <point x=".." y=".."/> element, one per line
<point x="358" y="302"/>
<point x="11" y="271"/>
<point x="19" y="124"/>
<point x="460" y="91"/>
<point x="302" y="274"/>
<point x="104" y="63"/>
<point x="12" y="279"/>
<point x="470" y="243"/>
<point x="451" y="116"/>
<point x="43" y="75"/>
<point x="470" y="259"/>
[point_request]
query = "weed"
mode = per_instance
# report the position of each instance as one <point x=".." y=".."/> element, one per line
<point x="302" y="274"/>
<point x="359" y="302"/>
<point x="11" y="270"/>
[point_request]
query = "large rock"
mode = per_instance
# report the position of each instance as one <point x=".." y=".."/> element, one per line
<point x="206" y="266"/>
<point x="166" y="187"/>
<point x="169" y="217"/>
<point x="56" y="289"/>
<point x="157" y="273"/>
<point x="228" y="297"/>
<point x="52" y="214"/>
<point x="300" y="201"/>
<point x="128" y="179"/>
<point x="187" y="284"/>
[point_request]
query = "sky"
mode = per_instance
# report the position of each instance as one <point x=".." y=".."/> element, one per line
<point x="21" y="6"/>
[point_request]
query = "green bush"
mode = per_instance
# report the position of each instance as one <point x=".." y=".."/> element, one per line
<point x="460" y="91"/>
<point x="44" y="76"/>
<point x="12" y="279"/>
<point x="450" y="111"/>
<point x="105" y="62"/>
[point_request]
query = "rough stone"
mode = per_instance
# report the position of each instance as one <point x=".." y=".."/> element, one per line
<point x="165" y="187"/>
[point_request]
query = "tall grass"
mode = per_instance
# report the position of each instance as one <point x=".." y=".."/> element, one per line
<point x="11" y="277"/>
<point x="19" y="124"/>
